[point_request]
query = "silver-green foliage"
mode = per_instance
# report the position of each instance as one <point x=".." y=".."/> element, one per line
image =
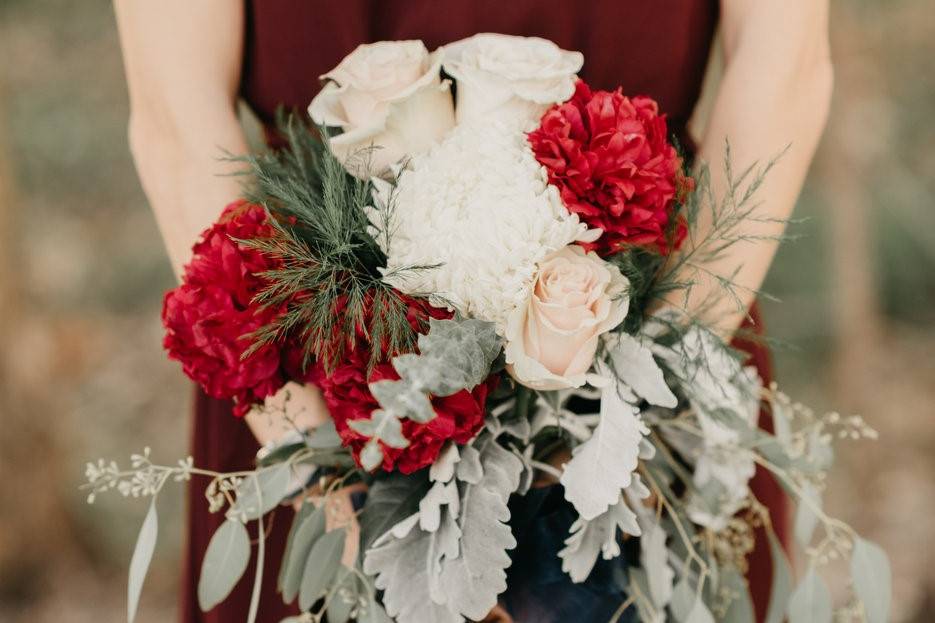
<point x="458" y="569"/>
<point x="454" y="355"/>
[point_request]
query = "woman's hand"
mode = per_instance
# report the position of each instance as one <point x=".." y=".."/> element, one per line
<point x="775" y="92"/>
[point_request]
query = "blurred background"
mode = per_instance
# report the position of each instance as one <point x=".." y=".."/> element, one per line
<point x="82" y="270"/>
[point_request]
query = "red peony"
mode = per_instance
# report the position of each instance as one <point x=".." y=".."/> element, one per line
<point x="611" y="159"/>
<point x="347" y="394"/>
<point x="208" y="317"/>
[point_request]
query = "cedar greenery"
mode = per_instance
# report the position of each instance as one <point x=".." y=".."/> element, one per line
<point x="329" y="285"/>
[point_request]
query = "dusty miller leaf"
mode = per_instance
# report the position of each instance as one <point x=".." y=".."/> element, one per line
<point x="635" y="366"/>
<point x="870" y="571"/>
<point x="391" y="499"/>
<point x="472" y="581"/>
<point x="454" y="355"/>
<point x="224" y="563"/>
<point x="458" y="570"/>
<point x="588" y="539"/>
<point x="403" y="562"/>
<point x="142" y="556"/>
<point x="603" y="465"/>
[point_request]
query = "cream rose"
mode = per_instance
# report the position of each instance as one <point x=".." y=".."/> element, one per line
<point x="389" y="96"/>
<point x="551" y="341"/>
<point x="508" y="77"/>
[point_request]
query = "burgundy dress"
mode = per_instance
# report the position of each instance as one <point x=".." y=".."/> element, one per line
<point x="655" y="48"/>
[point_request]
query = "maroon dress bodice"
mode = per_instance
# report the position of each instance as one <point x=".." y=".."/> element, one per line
<point x="657" y="48"/>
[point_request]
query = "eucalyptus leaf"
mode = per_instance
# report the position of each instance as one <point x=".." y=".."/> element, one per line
<point x="683" y="598"/>
<point x="321" y="567"/>
<point x="142" y="556"/>
<point x="224" y="563"/>
<point x="740" y="609"/>
<point x="654" y="559"/>
<point x="308" y="532"/>
<point x="699" y="613"/>
<point x="872" y="577"/>
<point x="782" y="581"/>
<point x="373" y="612"/>
<point x="323" y="436"/>
<point x="811" y="600"/>
<point x="805" y="518"/>
<point x="273" y="483"/>
<point x="307" y="509"/>
<point x="344" y="597"/>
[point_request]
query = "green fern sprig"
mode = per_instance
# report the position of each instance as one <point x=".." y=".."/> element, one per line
<point x="329" y="285"/>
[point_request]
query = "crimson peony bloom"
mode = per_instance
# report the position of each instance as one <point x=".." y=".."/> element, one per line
<point x="347" y="393"/>
<point x="611" y="159"/>
<point x="208" y="317"/>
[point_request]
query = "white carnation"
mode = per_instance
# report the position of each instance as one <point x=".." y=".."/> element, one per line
<point x="479" y="208"/>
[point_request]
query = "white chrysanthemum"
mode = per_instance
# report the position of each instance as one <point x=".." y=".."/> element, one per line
<point x="479" y="208"/>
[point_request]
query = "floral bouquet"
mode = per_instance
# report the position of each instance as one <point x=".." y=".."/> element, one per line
<point x="465" y="266"/>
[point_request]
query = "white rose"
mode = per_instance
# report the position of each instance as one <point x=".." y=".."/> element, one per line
<point x="387" y="95"/>
<point x="577" y="297"/>
<point x="512" y="78"/>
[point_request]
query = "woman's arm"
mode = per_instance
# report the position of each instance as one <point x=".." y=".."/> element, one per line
<point x="775" y="92"/>
<point x="183" y="62"/>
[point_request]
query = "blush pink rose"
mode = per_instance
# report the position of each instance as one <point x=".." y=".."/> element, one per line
<point x="552" y="340"/>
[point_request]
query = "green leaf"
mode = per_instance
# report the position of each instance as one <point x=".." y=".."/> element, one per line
<point x="683" y="597"/>
<point x="224" y="563"/>
<point x="321" y="567"/>
<point x="811" y="601"/>
<point x="805" y="518"/>
<point x="699" y="613"/>
<point x="782" y="581"/>
<point x="654" y="558"/>
<point x="740" y="609"/>
<point x="306" y="510"/>
<point x="373" y="612"/>
<point x="344" y="598"/>
<point x="390" y="500"/>
<point x="870" y="571"/>
<point x="324" y="436"/>
<point x="142" y="555"/>
<point x="309" y="531"/>
<point x="273" y="482"/>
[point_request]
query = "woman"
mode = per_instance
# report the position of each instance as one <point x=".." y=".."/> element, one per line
<point x="188" y="63"/>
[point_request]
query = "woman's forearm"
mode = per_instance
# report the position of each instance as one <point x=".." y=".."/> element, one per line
<point x="775" y="93"/>
<point x="182" y="61"/>
<point x="184" y="178"/>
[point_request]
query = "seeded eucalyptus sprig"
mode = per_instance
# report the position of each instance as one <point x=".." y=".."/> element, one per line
<point x="329" y="284"/>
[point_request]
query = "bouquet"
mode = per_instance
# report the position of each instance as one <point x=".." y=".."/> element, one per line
<point x="462" y="253"/>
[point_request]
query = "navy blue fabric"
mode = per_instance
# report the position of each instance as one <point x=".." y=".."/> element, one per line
<point x="538" y="590"/>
